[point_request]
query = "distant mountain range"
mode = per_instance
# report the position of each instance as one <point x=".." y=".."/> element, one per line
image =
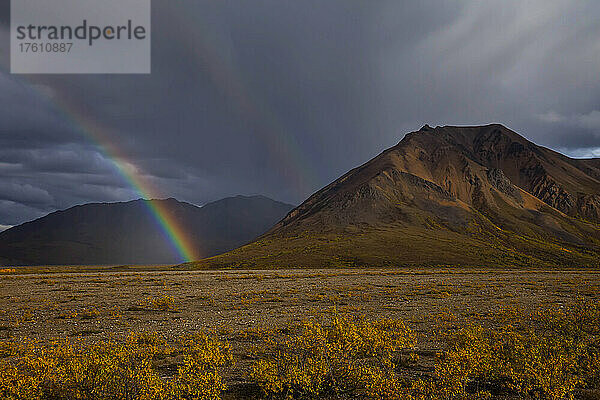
<point x="127" y="233"/>
<point x="479" y="196"/>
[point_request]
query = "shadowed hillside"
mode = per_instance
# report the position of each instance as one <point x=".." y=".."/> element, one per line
<point x="127" y="233"/>
<point x="447" y="195"/>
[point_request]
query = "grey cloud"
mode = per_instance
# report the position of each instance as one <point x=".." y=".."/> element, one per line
<point x="5" y="12"/>
<point x="27" y="119"/>
<point x="589" y="121"/>
<point x="497" y="62"/>
<point x="23" y="193"/>
<point x="576" y="134"/>
<point x="5" y="227"/>
<point x="280" y="97"/>
<point x="14" y="213"/>
<point x="68" y="158"/>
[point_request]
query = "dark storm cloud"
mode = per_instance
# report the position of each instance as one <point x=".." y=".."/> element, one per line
<point x="26" y="120"/>
<point x="15" y="212"/>
<point x="23" y="193"/>
<point x="280" y="97"/>
<point x="5" y="12"/>
<point x="69" y="158"/>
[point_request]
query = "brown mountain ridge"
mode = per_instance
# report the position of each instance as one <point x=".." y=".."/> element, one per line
<point x="478" y="196"/>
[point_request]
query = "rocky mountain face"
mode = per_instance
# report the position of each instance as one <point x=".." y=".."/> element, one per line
<point x="571" y="186"/>
<point x="485" y="187"/>
<point x="451" y="172"/>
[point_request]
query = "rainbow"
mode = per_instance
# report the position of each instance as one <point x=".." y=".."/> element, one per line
<point x="205" y="53"/>
<point x="180" y="240"/>
<point x="173" y="231"/>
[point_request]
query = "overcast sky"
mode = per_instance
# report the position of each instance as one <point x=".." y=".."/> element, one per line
<point x="279" y="97"/>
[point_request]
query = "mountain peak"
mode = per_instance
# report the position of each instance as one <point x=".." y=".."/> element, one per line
<point x="446" y="195"/>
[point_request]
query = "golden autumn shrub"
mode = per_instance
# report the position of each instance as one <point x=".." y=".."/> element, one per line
<point x="110" y="370"/>
<point x="162" y="303"/>
<point x="526" y="363"/>
<point x="545" y="355"/>
<point x="353" y="356"/>
<point x="200" y="375"/>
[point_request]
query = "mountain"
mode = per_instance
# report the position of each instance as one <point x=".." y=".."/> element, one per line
<point x="128" y="233"/>
<point x="478" y="196"/>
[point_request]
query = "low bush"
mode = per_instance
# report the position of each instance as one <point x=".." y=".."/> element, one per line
<point x="350" y="357"/>
<point x="112" y="370"/>
<point x="162" y="303"/>
<point x="549" y="354"/>
<point x="543" y="355"/>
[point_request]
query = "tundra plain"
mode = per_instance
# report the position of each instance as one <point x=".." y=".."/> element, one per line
<point x="241" y="307"/>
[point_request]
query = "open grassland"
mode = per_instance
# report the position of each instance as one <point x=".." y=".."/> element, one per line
<point x="396" y="245"/>
<point x="335" y="333"/>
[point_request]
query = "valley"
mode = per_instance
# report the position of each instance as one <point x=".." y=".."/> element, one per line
<point x="246" y="307"/>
